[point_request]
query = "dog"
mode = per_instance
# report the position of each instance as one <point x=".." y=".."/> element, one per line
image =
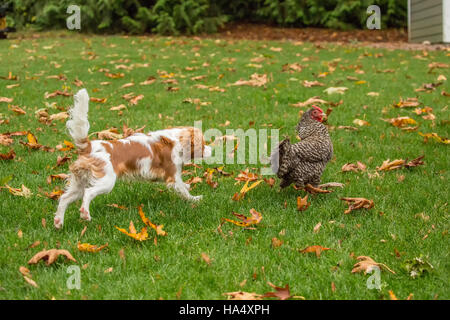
<point x="155" y="156"/>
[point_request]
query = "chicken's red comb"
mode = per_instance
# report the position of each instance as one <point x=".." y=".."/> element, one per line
<point x="317" y="108"/>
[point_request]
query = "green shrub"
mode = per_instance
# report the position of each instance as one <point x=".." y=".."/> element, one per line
<point x="202" y="16"/>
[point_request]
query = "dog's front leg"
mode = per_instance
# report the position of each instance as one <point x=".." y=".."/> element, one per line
<point x="179" y="186"/>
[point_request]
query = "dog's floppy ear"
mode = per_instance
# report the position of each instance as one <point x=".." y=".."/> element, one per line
<point x="166" y="141"/>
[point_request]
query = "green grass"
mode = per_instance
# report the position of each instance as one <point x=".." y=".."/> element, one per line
<point x="174" y="268"/>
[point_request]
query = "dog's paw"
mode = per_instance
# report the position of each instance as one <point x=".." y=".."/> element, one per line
<point x="197" y="198"/>
<point x="84" y="214"/>
<point x="57" y="222"/>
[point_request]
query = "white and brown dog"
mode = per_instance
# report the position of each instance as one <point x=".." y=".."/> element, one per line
<point x="157" y="155"/>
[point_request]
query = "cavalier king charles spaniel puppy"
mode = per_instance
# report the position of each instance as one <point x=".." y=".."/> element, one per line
<point x="157" y="155"/>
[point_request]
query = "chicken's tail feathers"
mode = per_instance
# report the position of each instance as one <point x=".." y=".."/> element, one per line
<point x="78" y="124"/>
<point x="278" y="161"/>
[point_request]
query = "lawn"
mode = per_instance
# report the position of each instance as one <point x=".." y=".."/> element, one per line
<point x="409" y="217"/>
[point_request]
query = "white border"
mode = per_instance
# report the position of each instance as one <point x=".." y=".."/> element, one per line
<point x="446" y="21"/>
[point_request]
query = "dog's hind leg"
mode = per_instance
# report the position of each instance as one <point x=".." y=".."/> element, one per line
<point x="74" y="192"/>
<point x="97" y="186"/>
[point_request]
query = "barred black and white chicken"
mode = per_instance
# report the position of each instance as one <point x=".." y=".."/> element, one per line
<point x="303" y="163"/>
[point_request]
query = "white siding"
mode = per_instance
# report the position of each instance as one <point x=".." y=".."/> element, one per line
<point x="426" y="20"/>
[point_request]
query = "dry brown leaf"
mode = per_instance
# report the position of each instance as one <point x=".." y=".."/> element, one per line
<point x="317" y="227"/>
<point x="280" y="293"/>
<point x="50" y="256"/>
<point x="206" y="258"/>
<point x="17" y="109"/>
<point x="109" y="134"/>
<point x="358" y="203"/>
<point x="309" y="84"/>
<point x="359" y="166"/>
<point x="57" y="93"/>
<point x="276" y="242"/>
<point x="391" y="165"/>
<point x="8" y="156"/>
<point x="256" y="80"/>
<point x="312" y="100"/>
<point x="367" y="264"/>
<point x="30" y="281"/>
<point x="302" y="203"/>
<point x="241" y="295"/>
<point x="408" y="103"/>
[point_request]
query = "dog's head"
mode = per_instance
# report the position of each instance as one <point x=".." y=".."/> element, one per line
<point x="193" y="144"/>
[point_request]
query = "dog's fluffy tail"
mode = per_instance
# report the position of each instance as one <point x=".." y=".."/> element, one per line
<point x="78" y="123"/>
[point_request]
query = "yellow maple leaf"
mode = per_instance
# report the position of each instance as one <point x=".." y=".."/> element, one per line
<point x="158" y="228"/>
<point x="87" y="247"/>
<point x="141" y="236"/>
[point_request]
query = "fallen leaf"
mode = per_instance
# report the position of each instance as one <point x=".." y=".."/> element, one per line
<point x="254" y="218"/>
<point x="30" y="281"/>
<point x="302" y="203"/>
<point x="86" y="247"/>
<point x="276" y="242"/>
<point x="367" y="264"/>
<point x="361" y="123"/>
<point x="359" y="166"/>
<point x="309" y="84"/>
<point x="206" y="258"/>
<point x="317" y="227"/>
<point x="400" y="121"/>
<point x="8" y="156"/>
<point x="391" y="165"/>
<point x="334" y="90"/>
<point x="435" y="137"/>
<point x="159" y="229"/>
<point x="312" y="100"/>
<point x="241" y="295"/>
<point x="5" y="99"/>
<point x="392" y="295"/>
<point x="314" y="249"/>
<point x="357" y="203"/>
<point x="17" y="109"/>
<point x="141" y="236"/>
<point x="256" y="80"/>
<point x="408" y="103"/>
<point x="57" y="93"/>
<point x="280" y="293"/>
<point x="21" y="192"/>
<point x="50" y="256"/>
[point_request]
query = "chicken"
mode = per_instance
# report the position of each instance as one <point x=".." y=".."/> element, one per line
<point x="303" y="163"/>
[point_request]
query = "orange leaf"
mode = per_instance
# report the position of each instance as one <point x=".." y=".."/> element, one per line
<point x="141" y="236"/>
<point x="316" y="249"/>
<point x="86" y="247"/>
<point x="159" y="229"/>
<point x="302" y="203"/>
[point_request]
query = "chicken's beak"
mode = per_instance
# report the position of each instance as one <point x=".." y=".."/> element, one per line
<point x="324" y="117"/>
